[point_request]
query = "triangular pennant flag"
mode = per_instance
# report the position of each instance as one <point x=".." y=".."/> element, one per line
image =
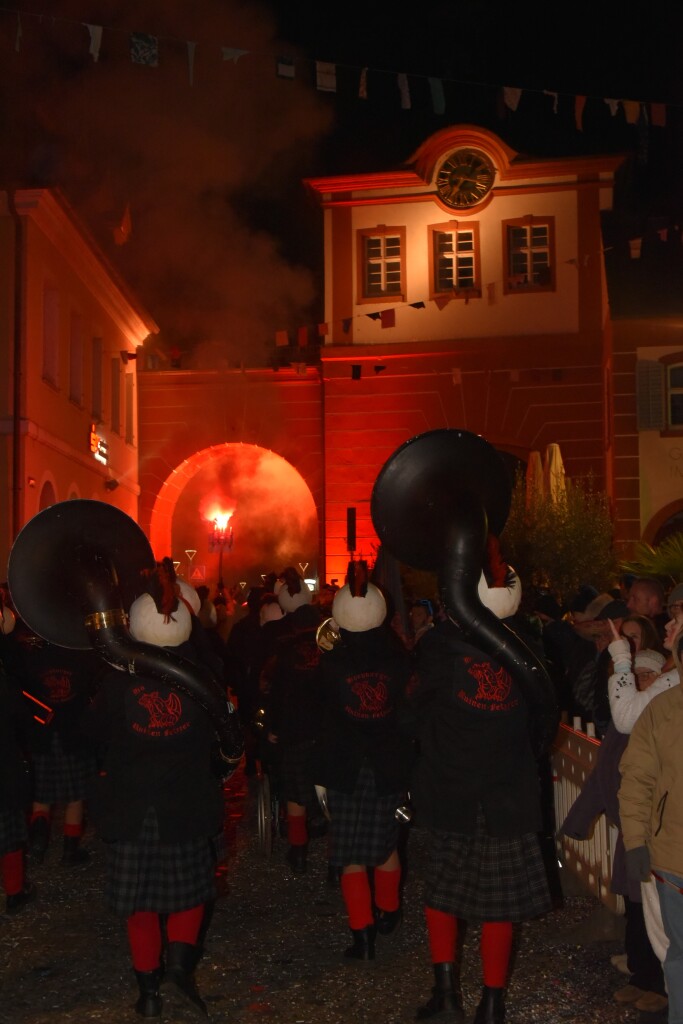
<point x="243" y="584"/>
<point x="438" y="98"/>
<point x="123" y="230"/>
<point x="632" y="111"/>
<point x="303" y="566"/>
<point x="441" y="301"/>
<point x="363" y="84"/>
<point x="417" y="305"/>
<point x="302" y="337"/>
<point x="95" y="32"/>
<point x="232" y="53"/>
<point x="373" y="316"/>
<point x="402" y="83"/>
<point x="579" y="104"/>
<point x="191" y="47"/>
<point x="613" y="106"/>
<point x="176" y="566"/>
<point x="190" y="553"/>
<point x="325" y="76"/>
<point x="285" y="67"/>
<point x="511" y="97"/>
<point x="281" y="338"/>
<point x="388" y="318"/>
<point x="144" y="49"/>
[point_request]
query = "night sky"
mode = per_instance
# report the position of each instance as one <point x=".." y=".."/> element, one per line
<point x="225" y="246"/>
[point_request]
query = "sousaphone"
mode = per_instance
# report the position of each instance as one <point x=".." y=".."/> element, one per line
<point x="73" y="571"/>
<point x="433" y="504"/>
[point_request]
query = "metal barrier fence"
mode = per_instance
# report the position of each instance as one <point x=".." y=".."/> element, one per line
<point x="589" y="860"/>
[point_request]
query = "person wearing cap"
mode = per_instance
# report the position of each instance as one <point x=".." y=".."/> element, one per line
<point x="157" y="802"/>
<point x="363" y="760"/>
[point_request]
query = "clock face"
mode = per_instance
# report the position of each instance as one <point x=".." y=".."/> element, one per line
<point x="465" y="178"/>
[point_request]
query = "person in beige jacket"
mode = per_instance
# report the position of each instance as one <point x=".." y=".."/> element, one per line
<point x="651" y="811"/>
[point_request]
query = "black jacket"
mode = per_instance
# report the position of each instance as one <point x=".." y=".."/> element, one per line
<point x="364" y="681"/>
<point x="158" y="745"/>
<point x="474" y="742"/>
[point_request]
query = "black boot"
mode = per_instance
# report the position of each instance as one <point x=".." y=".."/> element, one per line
<point x="446" y="1000"/>
<point x="491" y="1009"/>
<point x="149" y="1003"/>
<point x="387" y="921"/>
<point x="73" y="853"/>
<point x="181" y="960"/>
<point x="296" y="858"/>
<point x="18" y="900"/>
<point x="363" y="947"/>
<point x="38" y="838"/>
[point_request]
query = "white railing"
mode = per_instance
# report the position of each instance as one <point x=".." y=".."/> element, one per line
<point x="590" y="860"/>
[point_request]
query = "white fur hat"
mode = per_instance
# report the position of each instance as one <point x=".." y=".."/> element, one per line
<point x="292" y="590"/>
<point x="358" y="614"/>
<point x="160" y="617"/>
<point x="649" y="660"/>
<point x="190" y="595"/>
<point x="502" y="601"/>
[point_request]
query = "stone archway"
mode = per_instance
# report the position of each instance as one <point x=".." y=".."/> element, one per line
<point x="274" y="521"/>
<point x="667" y="521"/>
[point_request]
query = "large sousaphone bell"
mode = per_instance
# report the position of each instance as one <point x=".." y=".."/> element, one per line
<point x="433" y="504"/>
<point x="73" y="571"/>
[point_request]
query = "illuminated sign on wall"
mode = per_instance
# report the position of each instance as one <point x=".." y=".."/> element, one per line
<point x="98" y="446"/>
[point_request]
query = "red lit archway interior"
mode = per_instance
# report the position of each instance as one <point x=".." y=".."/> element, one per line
<point x="273" y="523"/>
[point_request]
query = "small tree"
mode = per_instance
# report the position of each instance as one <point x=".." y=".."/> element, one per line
<point x="562" y="542"/>
<point x="664" y="562"/>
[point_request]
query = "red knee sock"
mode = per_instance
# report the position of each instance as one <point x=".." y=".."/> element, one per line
<point x="144" y="939"/>
<point x="495" y="948"/>
<point x="12" y="870"/>
<point x="297" y="832"/>
<point x="184" y="925"/>
<point x="442" y="929"/>
<point x="73" y="830"/>
<point x="355" y="887"/>
<point x="386" y="888"/>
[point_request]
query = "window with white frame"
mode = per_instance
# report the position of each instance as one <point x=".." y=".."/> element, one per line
<point x="659" y="392"/>
<point x="454" y="258"/>
<point x="381" y="263"/>
<point x="529" y="252"/>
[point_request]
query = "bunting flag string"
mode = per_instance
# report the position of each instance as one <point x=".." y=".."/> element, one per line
<point x="146" y="49"/>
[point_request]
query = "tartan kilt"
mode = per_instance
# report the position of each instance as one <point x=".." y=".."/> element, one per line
<point x="486" y="878"/>
<point x="60" y="777"/>
<point x="13" y="831"/>
<point x="297" y="771"/>
<point x="146" y="874"/>
<point x="363" y="827"/>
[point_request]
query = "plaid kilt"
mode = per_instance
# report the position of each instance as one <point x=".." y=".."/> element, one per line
<point x="363" y="827"/>
<point x="146" y="874"/>
<point x="296" y="773"/>
<point x="60" y="777"/>
<point x="13" y="832"/>
<point x="486" y="878"/>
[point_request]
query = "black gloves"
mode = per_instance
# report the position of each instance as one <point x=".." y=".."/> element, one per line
<point x="638" y="864"/>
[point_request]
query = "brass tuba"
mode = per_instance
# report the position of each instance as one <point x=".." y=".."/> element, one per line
<point x="73" y="570"/>
<point x="327" y="635"/>
<point x="433" y="504"/>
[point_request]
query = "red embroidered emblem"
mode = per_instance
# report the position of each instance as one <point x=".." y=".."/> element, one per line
<point x="372" y="699"/>
<point x="162" y="713"/>
<point x="492" y="685"/>
<point x="58" y="685"/>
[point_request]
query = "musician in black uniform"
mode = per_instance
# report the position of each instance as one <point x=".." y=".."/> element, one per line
<point x="476" y="791"/>
<point x="363" y="761"/>
<point x="157" y="803"/>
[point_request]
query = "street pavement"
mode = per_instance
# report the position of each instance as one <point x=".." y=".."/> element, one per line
<point x="274" y="950"/>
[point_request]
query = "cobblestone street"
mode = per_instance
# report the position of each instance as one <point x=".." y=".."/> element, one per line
<point x="274" y="948"/>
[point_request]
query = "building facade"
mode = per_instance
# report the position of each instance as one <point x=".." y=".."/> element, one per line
<point x="68" y="400"/>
